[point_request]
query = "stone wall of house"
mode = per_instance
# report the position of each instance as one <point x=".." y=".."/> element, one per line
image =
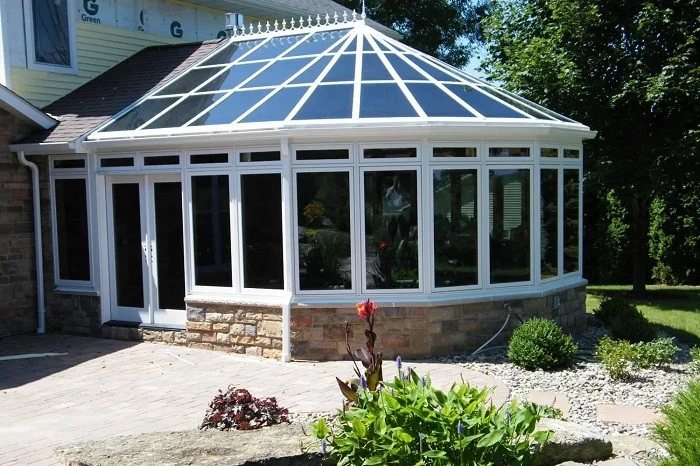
<point x="18" y="305"/>
<point x="428" y="331"/>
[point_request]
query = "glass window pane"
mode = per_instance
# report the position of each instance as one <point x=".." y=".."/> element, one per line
<point x="571" y="153"/>
<point x="183" y="112"/>
<point x="520" y="105"/>
<point x="323" y="154"/>
<point x="455" y="220"/>
<point x="117" y="162"/>
<point x="549" y="152"/>
<point x="265" y="156"/>
<point x="352" y="47"/>
<point x="189" y="81"/>
<point x="161" y="160"/>
<point x="391" y="153"/>
<point x="509" y="225"/>
<point x="274" y="47"/>
<point x="139" y="115"/>
<point x="509" y="152"/>
<point x="230" y="108"/>
<point x="487" y="106"/>
<point x="208" y="158"/>
<point x="549" y="217"/>
<point x="384" y="101"/>
<point x="571" y="229"/>
<point x="327" y="102"/>
<point x="278" y="72"/>
<point x="232" y="77"/>
<point x="71" y="163"/>
<point x="323" y="201"/>
<point x="313" y="72"/>
<point x="262" y="233"/>
<point x="404" y="70"/>
<point x="317" y="43"/>
<point x="51" y="40"/>
<point x="212" y="230"/>
<point x="366" y="46"/>
<point x="342" y="70"/>
<point x="277" y="107"/>
<point x="232" y="52"/>
<point x="435" y="102"/>
<point x="391" y="229"/>
<point x="373" y="69"/>
<point x="454" y="152"/>
<point x="128" y="255"/>
<point x="167" y="200"/>
<point x="72" y="230"/>
<point x="429" y="68"/>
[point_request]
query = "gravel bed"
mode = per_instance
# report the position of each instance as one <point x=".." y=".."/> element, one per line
<point x="587" y="384"/>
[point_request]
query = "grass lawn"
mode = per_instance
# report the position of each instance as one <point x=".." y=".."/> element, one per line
<point x="674" y="309"/>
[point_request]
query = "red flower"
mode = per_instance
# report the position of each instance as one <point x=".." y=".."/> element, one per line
<point x="383" y="245"/>
<point x="366" y="308"/>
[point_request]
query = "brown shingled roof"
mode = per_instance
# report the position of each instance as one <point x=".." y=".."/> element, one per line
<point x="117" y="88"/>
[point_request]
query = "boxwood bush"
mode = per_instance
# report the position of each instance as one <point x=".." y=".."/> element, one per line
<point x="540" y="344"/>
<point x="625" y="320"/>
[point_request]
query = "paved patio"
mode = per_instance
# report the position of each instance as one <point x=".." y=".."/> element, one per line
<point x="57" y="389"/>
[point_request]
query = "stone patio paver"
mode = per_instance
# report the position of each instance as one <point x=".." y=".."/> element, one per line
<point x="557" y="399"/>
<point x="102" y="388"/>
<point x="626" y="414"/>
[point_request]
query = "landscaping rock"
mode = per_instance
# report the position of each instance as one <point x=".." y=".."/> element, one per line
<point x="276" y="445"/>
<point x="571" y="442"/>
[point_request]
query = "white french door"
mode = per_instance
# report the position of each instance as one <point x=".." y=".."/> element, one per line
<point x="146" y="255"/>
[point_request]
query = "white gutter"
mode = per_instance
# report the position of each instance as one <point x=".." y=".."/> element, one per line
<point x="41" y="311"/>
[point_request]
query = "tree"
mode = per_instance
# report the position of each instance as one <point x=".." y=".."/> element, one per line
<point x="629" y="69"/>
<point x="444" y="29"/>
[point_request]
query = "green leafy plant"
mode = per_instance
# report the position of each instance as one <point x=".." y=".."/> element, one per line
<point x="617" y="356"/>
<point x="238" y="409"/>
<point x="625" y="320"/>
<point x="695" y="356"/>
<point x="679" y="431"/>
<point x="540" y="343"/>
<point x="409" y="421"/>
<point x="656" y="353"/>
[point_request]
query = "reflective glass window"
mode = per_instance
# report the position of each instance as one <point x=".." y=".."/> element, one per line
<point x="323" y="154"/>
<point x="73" y="248"/>
<point x="161" y="160"/>
<point x="384" y="100"/>
<point x="571" y="153"/>
<point x="509" y="225"/>
<point x="232" y="77"/>
<point x="431" y="69"/>
<point x="482" y="103"/>
<point x="571" y="226"/>
<point x="549" y="152"/>
<point x="128" y="252"/>
<point x="311" y="73"/>
<point x="51" y="32"/>
<point x="189" y="81"/>
<point x="435" y="102"/>
<point x="232" y="52"/>
<point x="170" y="260"/>
<point x="373" y="69"/>
<point x="323" y="215"/>
<point x="114" y="162"/>
<point x="139" y="115"/>
<point x="352" y="46"/>
<point x="509" y="152"/>
<point x="69" y="163"/>
<point x="262" y="233"/>
<point x="211" y="225"/>
<point x="455" y="220"/>
<point x="403" y="69"/>
<point x="342" y="70"/>
<point x="274" y="47"/>
<point x="231" y="108"/>
<point x="366" y="45"/>
<point x="454" y="152"/>
<point x="391" y="153"/>
<point x="327" y="102"/>
<point x="391" y="229"/>
<point x="277" y="107"/>
<point x="260" y="156"/>
<point x="515" y="103"/>
<point x="184" y="111"/>
<point x="319" y="42"/>
<point x="196" y="159"/>
<point x="278" y="72"/>
<point x="549" y="218"/>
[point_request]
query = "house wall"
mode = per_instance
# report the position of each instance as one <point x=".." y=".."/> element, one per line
<point x="18" y="309"/>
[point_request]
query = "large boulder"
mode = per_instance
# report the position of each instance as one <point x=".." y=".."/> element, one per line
<point x="572" y="442"/>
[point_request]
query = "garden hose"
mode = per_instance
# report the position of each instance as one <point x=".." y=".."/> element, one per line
<point x="483" y="348"/>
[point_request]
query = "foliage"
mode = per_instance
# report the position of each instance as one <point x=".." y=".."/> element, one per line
<point x="623" y="359"/>
<point x="695" y="356"/>
<point x="625" y="320"/>
<point x="409" y="421"/>
<point x="238" y="409"/>
<point x="323" y="261"/>
<point x="540" y="343"/>
<point x="656" y="353"/>
<point x="315" y="212"/>
<point x="679" y="431"/>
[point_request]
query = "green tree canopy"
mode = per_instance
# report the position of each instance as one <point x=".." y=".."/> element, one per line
<point x="629" y="69"/>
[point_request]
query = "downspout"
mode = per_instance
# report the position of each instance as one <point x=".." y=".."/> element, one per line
<point x="41" y="311"/>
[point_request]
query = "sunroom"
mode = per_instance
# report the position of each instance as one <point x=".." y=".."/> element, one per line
<point x="250" y="202"/>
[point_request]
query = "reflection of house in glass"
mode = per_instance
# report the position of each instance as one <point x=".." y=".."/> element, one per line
<point x="249" y="202"/>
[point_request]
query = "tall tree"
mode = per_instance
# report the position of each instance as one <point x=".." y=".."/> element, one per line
<point x="629" y="69"/>
<point x="444" y="29"/>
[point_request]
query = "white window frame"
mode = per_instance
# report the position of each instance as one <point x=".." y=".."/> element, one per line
<point x="32" y="63"/>
<point x="574" y="166"/>
<point x="550" y="163"/>
<point x="126" y="170"/>
<point x="320" y="147"/>
<point x="394" y="160"/>
<point x="263" y="167"/>
<point x="140" y="162"/>
<point x="208" y="166"/>
<point x="454" y="160"/>
<point x="510" y="160"/>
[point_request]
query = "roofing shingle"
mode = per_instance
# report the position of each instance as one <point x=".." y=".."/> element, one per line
<point x="94" y="102"/>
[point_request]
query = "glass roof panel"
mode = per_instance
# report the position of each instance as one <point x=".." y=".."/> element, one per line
<point x="435" y="102"/>
<point x="184" y="111"/>
<point x="373" y="69"/>
<point x="319" y="42"/>
<point x="278" y="72"/>
<point x="431" y="70"/>
<point x="310" y="75"/>
<point x="404" y="70"/>
<point x="232" y="52"/>
<point x="188" y="81"/>
<point x="516" y="103"/>
<point x="384" y="101"/>
<point x="366" y="46"/>
<point x="277" y="107"/>
<point x="231" y="108"/>
<point x="343" y="70"/>
<point x="352" y="47"/>
<point x="327" y="103"/>
<point x="233" y="76"/>
<point x="482" y="103"/>
<point x="273" y="47"/>
<point x="139" y="115"/>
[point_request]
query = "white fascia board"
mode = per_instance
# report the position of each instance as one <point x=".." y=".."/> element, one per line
<point x="22" y="109"/>
<point x="44" y="148"/>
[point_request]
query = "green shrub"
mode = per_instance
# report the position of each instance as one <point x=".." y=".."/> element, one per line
<point x="410" y="422"/>
<point x="695" y="355"/>
<point x="655" y="353"/>
<point x="679" y="431"/>
<point x="540" y="343"/>
<point x="625" y="320"/>
<point x="623" y="359"/>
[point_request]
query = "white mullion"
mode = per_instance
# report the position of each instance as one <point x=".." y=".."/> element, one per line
<point x="485" y="255"/>
<point x="426" y="232"/>
<point x="536" y="213"/>
<point x="357" y="88"/>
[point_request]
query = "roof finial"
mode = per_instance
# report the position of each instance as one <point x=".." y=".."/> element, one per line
<point x="364" y="14"/>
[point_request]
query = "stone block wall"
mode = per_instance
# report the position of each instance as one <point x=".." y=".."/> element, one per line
<point x="18" y="305"/>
